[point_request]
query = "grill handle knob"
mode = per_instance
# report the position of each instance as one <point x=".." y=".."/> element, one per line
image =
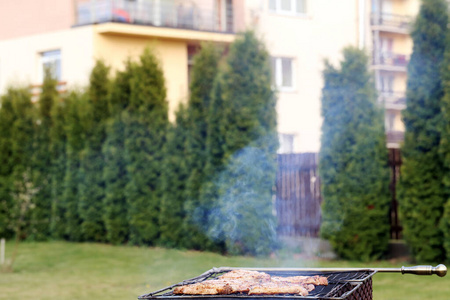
<point x="439" y="270"/>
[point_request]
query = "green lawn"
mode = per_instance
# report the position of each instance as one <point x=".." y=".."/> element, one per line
<point x="59" y="270"/>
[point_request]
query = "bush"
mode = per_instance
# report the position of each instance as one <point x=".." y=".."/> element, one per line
<point x="353" y="161"/>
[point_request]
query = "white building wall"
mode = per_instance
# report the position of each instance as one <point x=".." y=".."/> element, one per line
<point x="20" y="58"/>
<point x="322" y="33"/>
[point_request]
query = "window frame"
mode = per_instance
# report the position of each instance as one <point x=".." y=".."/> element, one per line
<point x="50" y="56"/>
<point x="292" y="12"/>
<point x="277" y="74"/>
<point x="286" y="143"/>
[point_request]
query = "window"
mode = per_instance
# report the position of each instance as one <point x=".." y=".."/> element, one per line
<point x="51" y="60"/>
<point x="387" y="84"/>
<point x="286" y="143"/>
<point x="390" y="121"/>
<point x="282" y="73"/>
<point x="290" y="7"/>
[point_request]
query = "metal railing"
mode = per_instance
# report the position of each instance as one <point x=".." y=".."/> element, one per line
<point x="391" y="20"/>
<point x="393" y="100"/>
<point x="395" y="136"/>
<point x="201" y="16"/>
<point x="391" y="59"/>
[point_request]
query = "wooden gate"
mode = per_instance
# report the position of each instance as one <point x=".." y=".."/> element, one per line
<point x="395" y="162"/>
<point x="298" y="196"/>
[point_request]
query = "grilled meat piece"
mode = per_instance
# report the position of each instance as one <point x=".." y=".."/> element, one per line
<point x="252" y="282"/>
<point x="246" y="275"/>
<point x="316" y="280"/>
<point x="207" y="287"/>
<point x="272" y="288"/>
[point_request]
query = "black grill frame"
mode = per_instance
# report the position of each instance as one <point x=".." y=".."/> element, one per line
<point x="349" y="285"/>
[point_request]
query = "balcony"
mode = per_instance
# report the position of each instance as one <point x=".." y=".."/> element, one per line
<point x="392" y="100"/>
<point x="201" y="16"/>
<point x="388" y="61"/>
<point x="394" y="138"/>
<point x="391" y="23"/>
<point x="36" y="90"/>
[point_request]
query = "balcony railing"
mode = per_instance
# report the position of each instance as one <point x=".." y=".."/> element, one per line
<point x="393" y="100"/>
<point x="162" y="13"/>
<point x="395" y="137"/>
<point x="391" y="59"/>
<point x="36" y="89"/>
<point x="392" y="21"/>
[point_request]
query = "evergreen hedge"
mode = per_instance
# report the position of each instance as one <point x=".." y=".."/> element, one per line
<point x="421" y="191"/>
<point x="146" y="121"/>
<point x="176" y="173"/>
<point x="353" y="161"/>
<point x="42" y="160"/>
<point x="75" y="143"/>
<point x="240" y="191"/>
<point x="115" y="172"/>
<point x="204" y="72"/>
<point x="444" y="147"/>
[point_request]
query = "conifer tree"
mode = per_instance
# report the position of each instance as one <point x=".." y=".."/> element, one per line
<point x="246" y="121"/>
<point x="42" y="160"/>
<point x="444" y="147"/>
<point x="75" y="133"/>
<point x="92" y="187"/>
<point x="115" y="175"/>
<point x="203" y="74"/>
<point x="353" y="161"/>
<point x="6" y="164"/>
<point x="22" y="148"/>
<point x="421" y="191"/>
<point x="146" y="122"/>
<point x="58" y="168"/>
<point x="174" y="178"/>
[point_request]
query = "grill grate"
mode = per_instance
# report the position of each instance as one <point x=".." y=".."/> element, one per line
<point x="349" y="285"/>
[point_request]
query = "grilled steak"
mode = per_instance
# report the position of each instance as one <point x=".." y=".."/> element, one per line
<point x="208" y="287"/>
<point x="316" y="280"/>
<point x="273" y="288"/>
<point x="252" y="282"/>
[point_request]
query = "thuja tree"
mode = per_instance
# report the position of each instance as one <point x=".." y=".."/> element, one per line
<point x="6" y="164"/>
<point x="58" y="167"/>
<point x="203" y="74"/>
<point x="92" y="186"/>
<point x="174" y="178"/>
<point x="23" y="189"/>
<point x="242" y="213"/>
<point x="353" y="161"/>
<point x="444" y="147"/>
<point x="75" y="133"/>
<point x="146" y="121"/>
<point x="114" y="172"/>
<point x="421" y="191"/>
<point x="42" y="160"/>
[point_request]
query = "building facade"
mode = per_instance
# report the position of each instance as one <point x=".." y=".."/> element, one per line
<point x="69" y="35"/>
<point x="391" y="46"/>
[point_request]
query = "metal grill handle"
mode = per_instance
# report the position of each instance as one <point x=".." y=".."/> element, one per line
<point x="439" y="270"/>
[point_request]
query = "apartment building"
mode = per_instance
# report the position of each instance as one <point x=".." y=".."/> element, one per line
<point x="300" y="35"/>
<point x="69" y="35"/>
<point x="391" y="46"/>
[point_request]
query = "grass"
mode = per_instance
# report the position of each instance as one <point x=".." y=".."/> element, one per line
<point x="59" y="270"/>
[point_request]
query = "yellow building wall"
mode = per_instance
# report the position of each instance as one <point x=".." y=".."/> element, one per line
<point x="115" y="49"/>
<point x="400" y="82"/>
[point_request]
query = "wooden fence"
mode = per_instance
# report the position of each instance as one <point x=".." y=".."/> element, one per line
<point x="298" y="199"/>
<point x="298" y="196"/>
<point x="395" y="162"/>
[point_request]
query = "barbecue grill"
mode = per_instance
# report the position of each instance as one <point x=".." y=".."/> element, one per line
<point x="349" y="284"/>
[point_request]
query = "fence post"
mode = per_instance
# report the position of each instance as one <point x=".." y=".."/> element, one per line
<point x="2" y="251"/>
